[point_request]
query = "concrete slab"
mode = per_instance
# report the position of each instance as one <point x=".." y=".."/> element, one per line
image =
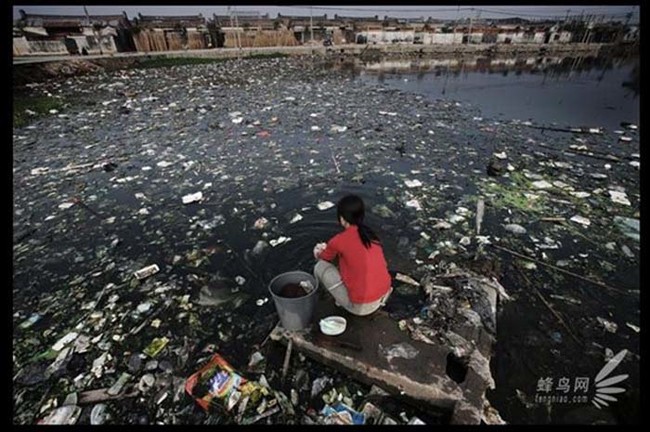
<point x="360" y="352"/>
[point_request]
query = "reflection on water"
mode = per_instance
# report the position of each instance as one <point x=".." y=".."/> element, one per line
<point x="583" y="90"/>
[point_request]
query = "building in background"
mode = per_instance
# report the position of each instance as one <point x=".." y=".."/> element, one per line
<point x="35" y="34"/>
<point x="247" y="30"/>
<point x="170" y="33"/>
<point x="72" y="34"/>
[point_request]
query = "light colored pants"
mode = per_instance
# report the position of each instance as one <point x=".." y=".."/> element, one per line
<point x="330" y="278"/>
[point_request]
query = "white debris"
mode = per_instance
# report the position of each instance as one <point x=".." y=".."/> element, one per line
<point x="98" y="364"/>
<point x="413" y="183"/>
<point x="465" y="241"/>
<point x="279" y="241"/>
<point x="442" y="225"/>
<point x="325" y="205"/>
<point x="619" y="197"/>
<point x="144" y="307"/>
<point x="581" y="220"/>
<point x="188" y="199"/>
<point x="238" y="120"/>
<point x="414" y="204"/>
<point x="501" y="155"/>
<point x="541" y="184"/>
<point x="164" y="164"/>
<point x="633" y="327"/>
<point x="515" y="229"/>
<point x="39" y="171"/>
<point x="296" y="218"/>
<point x="262" y="301"/>
<point x="609" y="326"/>
<point x="65" y="340"/>
<point x="455" y="218"/>
<point x="145" y="272"/>
<point x="240" y="280"/>
<point x="529" y="265"/>
<point x="66" y="205"/>
<point x="580" y="194"/>
<point x="625" y="139"/>
<point x="561" y="185"/>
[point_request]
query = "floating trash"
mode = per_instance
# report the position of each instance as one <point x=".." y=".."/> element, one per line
<point x="515" y="229"/>
<point x="191" y="198"/>
<point x="581" y="220"/>
<point x="325" y="205"/>
<point x="157" y="345"/>
<point x="280" y="240"/>
<point x="619" y="197"/>
<point x="413" y="183"/>
<point x="147" y="271"/>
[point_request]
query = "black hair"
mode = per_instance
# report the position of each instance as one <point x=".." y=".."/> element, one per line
<point x="352" y="210"/>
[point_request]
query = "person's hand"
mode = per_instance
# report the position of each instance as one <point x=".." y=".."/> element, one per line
<point x="320" y="247"/>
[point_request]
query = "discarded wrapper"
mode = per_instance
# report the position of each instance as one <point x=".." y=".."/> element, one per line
<point x="156" y="346"/>
<point x="188" y="199"/>
<point x="218" y="382"/>
<point x="147" y="271"/>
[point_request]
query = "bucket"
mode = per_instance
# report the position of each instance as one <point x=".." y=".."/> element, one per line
<point x="295" y="313"/>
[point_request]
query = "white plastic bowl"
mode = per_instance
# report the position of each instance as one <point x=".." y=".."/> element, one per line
<point x="333" y="325"/>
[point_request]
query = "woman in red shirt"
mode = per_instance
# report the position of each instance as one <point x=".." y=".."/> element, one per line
<point x="363" y="284"/>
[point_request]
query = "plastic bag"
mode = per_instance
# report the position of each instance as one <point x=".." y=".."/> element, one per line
<point x="218" y="382"/>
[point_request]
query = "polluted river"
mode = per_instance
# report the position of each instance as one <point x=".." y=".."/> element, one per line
<point x="224" y="175"/>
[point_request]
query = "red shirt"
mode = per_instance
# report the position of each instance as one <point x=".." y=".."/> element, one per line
<point x="363" y="270"/>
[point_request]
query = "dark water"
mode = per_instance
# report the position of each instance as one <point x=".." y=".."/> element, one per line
<point x="564" y="92"/>
<point x="292" y="291"/>
<point x="568" y="91"/>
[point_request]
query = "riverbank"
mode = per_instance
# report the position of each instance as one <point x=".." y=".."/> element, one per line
<point x="38" y="68"/>
<point x="351" y="49"/>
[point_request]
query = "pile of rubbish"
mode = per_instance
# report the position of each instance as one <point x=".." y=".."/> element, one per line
<point x="460" y="313"/>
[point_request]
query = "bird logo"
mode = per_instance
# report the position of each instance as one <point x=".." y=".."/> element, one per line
<point x="604" y="389"/>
